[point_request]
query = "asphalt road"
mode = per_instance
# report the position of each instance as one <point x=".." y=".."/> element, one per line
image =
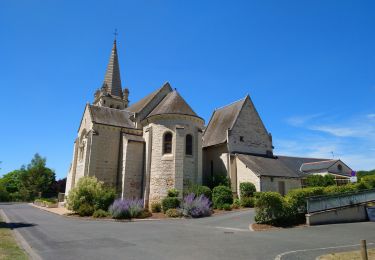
<point x="220" y="237"/>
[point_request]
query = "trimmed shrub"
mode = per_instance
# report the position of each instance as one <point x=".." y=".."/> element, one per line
<point x="247" y="189"/>
<point x="145" y="213"/>
<point x="200" y="190"/>
<point x="297" y="198"/>
<point x="226" y="207"/>
<point x="269" y="208"/>
<point x="173" y="213"/>
<point x="85" y="210"/>
<point x="173" y="193"/>
<point x="196" y="207"/>
<point x="369" y="181"/>
<point x="99" y="213"/>
<point x="320" y="181"/>
<point x="222" y="195"/>
<point x="92" y="192"/>
<point x="126" y="209"/>
<point x="104" y="198"/>
<point x="247" y="202"/>
<point x="170" y="203"/>
<point x="339" y="189"/>
<point x="236" y="204"/>
<point x="155" y="207"/>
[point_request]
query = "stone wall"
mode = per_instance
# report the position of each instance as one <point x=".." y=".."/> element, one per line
<point x="272" y="183"/>
<point x="244" y="174"/>
<point x="104" y="160"/>
<point x="132" y="167"/>
<point x="215" y="156"/>
<point x="248" y="135"/>
<point x="167" y="171"/>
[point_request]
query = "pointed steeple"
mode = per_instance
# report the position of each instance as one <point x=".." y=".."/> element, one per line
<point x="112" y="80"/>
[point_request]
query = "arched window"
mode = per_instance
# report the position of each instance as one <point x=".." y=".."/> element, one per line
<point x="189" y="145"/>
<point x="167" y="143"/>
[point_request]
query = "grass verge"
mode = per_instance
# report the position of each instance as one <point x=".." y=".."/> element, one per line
<point x="352" y="255"/>
<point x="9" y="249"/>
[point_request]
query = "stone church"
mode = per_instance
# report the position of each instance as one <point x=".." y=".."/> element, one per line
<point x="158" y="143"/>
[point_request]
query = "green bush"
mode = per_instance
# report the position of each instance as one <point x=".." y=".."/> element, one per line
<point x="200" y="190"/>
<point x="99" y="213"/>
<point x="236" y="204"/>
<point x="297" y="198"/>
<point x="145" y="213"/>
<point x="170" y="203"/>
<point x="269" y="208"/>
<point x="92" y="192"/>
<point x="155" y="207"/>
<point x="320" y="181"/>
<point x="340" y="189"/>
<point x="222" y="195"/>
<point x="173" y="193"/>
<point x="173" y="213"/>
<point x="4" y="195"/>
<point x="247" y="202"/>
<point x="226" y="207"/>
<point x="247" y="189"/>
<point x="104" y="198"/>
<point x="219" y="179"/>
<point x="85" y="209"/>
<point x="369" y="181"/>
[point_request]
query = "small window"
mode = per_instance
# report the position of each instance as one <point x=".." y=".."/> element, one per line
<point x="339" y="167"/>
<point x="189" y="145"/>
<point x="118" y="107"/>
<point x="111" y="106"/>
<point x="241" y="138"/>
<point x="167" y="143"/>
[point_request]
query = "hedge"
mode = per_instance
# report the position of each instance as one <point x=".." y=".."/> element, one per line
<point x="247" y="189"/>
<point x="222" y="195"/>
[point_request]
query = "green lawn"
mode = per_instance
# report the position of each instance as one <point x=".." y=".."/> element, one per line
<point x="9" y="248"/>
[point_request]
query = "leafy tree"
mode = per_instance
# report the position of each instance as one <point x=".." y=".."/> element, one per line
<point x="319" y="180"/>
<point x="361" y="174"/>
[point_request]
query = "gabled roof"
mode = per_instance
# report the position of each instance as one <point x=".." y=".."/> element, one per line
<point x="221" y="120"/>
<point x="110" y="116"/>
<point x="315" y="166"/>
<point x="265" y="166"/>
<point x="173" y="103"/>
<point x="138" y="106"/>
<point x="295" y="163"/>
<point x="112" y="79"/>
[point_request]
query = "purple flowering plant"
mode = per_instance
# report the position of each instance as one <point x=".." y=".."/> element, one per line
<point x="126" y="208"/>
<point x="196" y="207"/>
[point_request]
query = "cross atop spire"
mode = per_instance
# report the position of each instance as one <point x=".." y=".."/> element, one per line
<point x="112" y="80"/>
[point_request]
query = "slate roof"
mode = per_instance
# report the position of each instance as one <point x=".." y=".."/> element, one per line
<point x="295" y="163"/>
<point x="315" y="166"/>
<point x="138" y="106"/>
<point x="173" y="103"/>
<point x="221" y="120"/>
<point x="112" y="76"/>
<point x="265" y="166"/>
<point x="110" y="116"/>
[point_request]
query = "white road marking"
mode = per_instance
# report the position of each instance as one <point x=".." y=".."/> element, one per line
<point x="279" y="256"/>
<point x="234" y="229"/>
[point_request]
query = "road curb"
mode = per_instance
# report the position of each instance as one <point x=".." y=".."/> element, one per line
<point x="20" y="239"/>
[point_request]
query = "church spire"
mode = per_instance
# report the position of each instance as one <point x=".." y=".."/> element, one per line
<point x="112" y="80"/>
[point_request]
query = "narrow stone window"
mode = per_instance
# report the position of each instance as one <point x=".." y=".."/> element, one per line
<point x="241" y="138"/>
<point x="167" y="143"/>
<point x="189" y="145"/>
<point x="111" y="106"/>
<point x="339" y="167"/>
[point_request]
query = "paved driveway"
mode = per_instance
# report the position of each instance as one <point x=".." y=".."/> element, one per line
<point x="220" y="237"/>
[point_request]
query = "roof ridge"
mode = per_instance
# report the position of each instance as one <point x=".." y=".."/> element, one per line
<point x="322" y="161"/>
<point x="242" y="99"/>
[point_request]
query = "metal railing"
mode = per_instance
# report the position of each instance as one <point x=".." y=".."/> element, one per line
<point x="326" y="202"/>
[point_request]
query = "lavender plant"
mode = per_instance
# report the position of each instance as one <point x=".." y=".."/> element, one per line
<point x="196" y="207"/>
<point x="126" y="208"/>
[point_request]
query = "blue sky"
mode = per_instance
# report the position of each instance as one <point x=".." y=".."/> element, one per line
<point x="309" y="67"/>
